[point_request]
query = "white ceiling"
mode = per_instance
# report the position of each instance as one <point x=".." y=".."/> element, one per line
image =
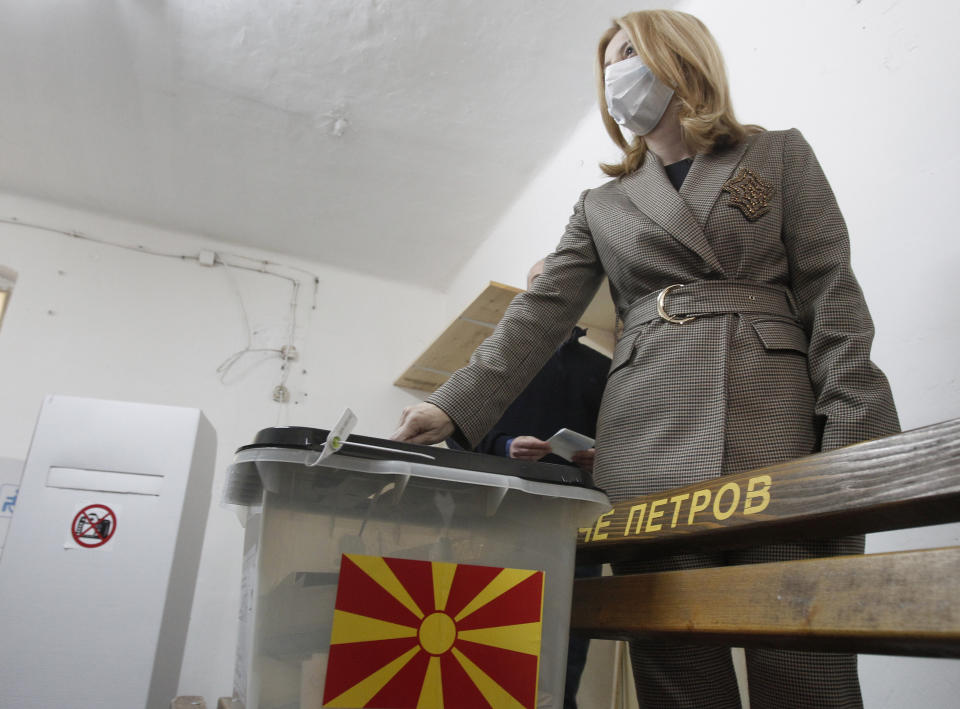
<point x="385" y="136"/>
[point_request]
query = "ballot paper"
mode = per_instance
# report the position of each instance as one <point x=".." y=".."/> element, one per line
<point x="338" y="434"/>
<point x="565" y="443"/>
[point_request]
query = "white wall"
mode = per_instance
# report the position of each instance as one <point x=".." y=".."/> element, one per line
<point x="873" y="86"/>
<point x="534" y="223"/>
<point x="93" y="320"/>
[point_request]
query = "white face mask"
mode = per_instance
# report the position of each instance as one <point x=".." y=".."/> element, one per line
<point x="636" y="99"/>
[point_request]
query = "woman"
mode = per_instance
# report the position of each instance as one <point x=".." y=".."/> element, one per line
<point x="746" y="338"/>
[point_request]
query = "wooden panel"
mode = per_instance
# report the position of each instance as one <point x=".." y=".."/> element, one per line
<point x="907" y="480"/>
<point x="421" y="379"/>
<point x="601" y="313"/>
<point x="453" y="348"/>
<point x="489" y="306"/>
<point x="903" y="603"/>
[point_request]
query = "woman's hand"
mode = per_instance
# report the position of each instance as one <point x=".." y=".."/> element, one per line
<point x="423" y="423"/>
<point x="528" y="448"/>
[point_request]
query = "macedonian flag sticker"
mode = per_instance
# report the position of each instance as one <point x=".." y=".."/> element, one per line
<point x="428" y="635"/>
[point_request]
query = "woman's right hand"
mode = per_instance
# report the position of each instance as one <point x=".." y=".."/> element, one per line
<point x="423" y="423"/>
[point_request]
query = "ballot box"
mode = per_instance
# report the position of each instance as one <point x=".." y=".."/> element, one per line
<point x="395" y="575"/>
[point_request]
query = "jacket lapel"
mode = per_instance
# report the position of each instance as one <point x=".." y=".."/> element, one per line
<point x="703" y="183"/>
<point x="650" y="190"/>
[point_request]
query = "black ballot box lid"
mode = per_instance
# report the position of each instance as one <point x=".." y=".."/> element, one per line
<point x="313" y="439"/>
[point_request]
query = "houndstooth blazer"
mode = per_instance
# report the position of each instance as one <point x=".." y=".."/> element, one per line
<point x="728" y="391"/>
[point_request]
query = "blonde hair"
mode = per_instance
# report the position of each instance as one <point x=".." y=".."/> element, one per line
<point x="681" y="52"/>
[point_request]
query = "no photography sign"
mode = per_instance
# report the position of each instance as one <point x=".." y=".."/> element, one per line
<point x="94" y="526"/>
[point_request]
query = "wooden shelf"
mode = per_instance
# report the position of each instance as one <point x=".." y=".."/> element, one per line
<point x="452" y="349"/>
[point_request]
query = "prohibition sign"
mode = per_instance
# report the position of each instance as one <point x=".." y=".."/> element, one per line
<point x="94" y="526"/>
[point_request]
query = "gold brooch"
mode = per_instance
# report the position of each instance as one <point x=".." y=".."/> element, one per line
<point x="749" y="193"/>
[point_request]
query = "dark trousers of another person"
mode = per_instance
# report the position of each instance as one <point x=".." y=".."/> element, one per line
<point x="674" y="676"/>
<point x="577" y="649"/>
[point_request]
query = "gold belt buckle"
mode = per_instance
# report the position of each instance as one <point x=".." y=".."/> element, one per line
<point x="662" y="312"/>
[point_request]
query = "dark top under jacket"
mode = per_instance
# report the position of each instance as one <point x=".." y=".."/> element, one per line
<point x="565" y="394"/>
<point x="677" y="172"/>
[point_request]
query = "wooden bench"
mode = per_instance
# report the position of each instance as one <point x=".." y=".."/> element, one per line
<point x="905" y="603"/>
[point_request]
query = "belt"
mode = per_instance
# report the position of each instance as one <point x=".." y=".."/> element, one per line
<point x="682" y="303"/>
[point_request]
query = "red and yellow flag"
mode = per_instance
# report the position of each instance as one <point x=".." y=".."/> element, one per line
<point x="428" y="635"/>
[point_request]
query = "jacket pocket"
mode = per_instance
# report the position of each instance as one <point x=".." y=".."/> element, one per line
<point x="781" y="335"/>
<point x="622" y="354"/>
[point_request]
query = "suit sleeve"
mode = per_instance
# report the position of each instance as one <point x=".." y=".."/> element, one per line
<point x="495" y="443"/>
<point x="853" y="398"/>
<point x="534" y="325"/>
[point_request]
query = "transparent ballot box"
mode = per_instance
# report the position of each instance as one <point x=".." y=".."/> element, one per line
<point x="392" y="575"/>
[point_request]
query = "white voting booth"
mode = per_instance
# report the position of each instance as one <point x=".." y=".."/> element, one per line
<point x="98" y="571"/>
<point x="10" y="472"/>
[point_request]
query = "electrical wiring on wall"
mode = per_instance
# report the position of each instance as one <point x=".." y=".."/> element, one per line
<point x="230" y="262"/>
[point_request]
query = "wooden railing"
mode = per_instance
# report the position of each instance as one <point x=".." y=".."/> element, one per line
<point x="904" y="603"/>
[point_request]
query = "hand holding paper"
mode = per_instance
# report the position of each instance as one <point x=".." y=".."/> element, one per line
<point x="565" y="443"/>
<point x="528" y="448"/>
